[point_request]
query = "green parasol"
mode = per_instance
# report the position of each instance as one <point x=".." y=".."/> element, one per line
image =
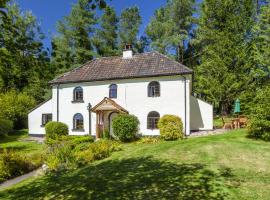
<point x="237" y="106"/>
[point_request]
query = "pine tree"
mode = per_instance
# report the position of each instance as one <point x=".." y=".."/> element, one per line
<point x="106" y="37"/>
<point x="130" y="21"/>
<point x="73" y="46"/>
<point x="223" y="33"/>
<point x="171" y="27"/>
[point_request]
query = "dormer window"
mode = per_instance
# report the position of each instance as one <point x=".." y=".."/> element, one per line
<point x="154" y="89"/>
<point x="113" y="91"/>
<point x="78" y="94"/>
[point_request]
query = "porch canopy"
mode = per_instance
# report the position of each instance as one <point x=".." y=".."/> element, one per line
<point x="103" y="111"/>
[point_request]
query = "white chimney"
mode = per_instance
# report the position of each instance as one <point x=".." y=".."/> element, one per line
<point x="128" y="53"/>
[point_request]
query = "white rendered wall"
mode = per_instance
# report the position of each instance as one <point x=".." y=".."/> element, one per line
<point x="201" y="115"/>
<point x="132" y="95"/>
<point x="35" y="118"/>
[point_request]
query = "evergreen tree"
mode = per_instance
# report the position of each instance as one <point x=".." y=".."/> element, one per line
<point x="223" y="33"/>
<point x="73" y="46"/>
<point x="106" y="37"/>
<point x="171" y="28"/>
<point x="130" y="21"/>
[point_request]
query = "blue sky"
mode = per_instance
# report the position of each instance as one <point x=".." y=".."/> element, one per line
<point x="49" y="12"/>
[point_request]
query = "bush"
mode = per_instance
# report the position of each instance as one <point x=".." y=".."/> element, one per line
<point x="55" y="130"/>
<point x="106" y="134"/>
<point x="13" y="164"/>
<point x="5" y="126"/>
<point x="60" y="156"/>
<point x="125" y="127"/>
<point x="259" y="123"/>
<point x="171" y="127"/>
<point x="149" y="140"/>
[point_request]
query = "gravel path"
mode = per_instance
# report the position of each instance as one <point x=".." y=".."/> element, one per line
<point x="205" y="133"/>
<point x="20" y="178"/>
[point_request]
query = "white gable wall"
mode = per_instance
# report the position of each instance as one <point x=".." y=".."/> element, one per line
<point x="132" y="95"/>
<point x="201" y="115"/>
<point x="35" y="118"/>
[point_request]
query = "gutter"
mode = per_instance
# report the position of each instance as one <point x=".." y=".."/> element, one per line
<point x="57" y="104"/>
<point x="185" y="79"/>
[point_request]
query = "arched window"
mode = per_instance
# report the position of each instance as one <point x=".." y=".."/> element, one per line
<point x="154" y="89"/>
<point x="78" y="94"/>
<point x="78" y="122"/>
<point x="113" y="91"/>
<point x="152" y="120"/>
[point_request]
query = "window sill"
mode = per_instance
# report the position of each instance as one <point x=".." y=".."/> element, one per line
<point x="81" y="101"/>
<point x="78" y="130"/>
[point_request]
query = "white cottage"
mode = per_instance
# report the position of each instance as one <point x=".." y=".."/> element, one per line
<point x="147" y="85"/>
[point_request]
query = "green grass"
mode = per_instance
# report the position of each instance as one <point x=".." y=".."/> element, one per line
<point x="16" y="142"/>
<point x="228" y="166"/>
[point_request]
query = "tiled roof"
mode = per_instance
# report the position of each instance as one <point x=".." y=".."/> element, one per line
<point x="150" y="64"/>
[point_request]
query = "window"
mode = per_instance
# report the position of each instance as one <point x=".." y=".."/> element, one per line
<point x="154" y="89"/>
<point x="45" y="119"/>
<point x="113" y="91"/>
<point x="152" y="120"/>
<point x="78" y="122"/>
<point x="78" y="94"/>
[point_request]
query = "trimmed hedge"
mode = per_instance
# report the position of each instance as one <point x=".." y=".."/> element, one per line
<point x="125" y="127"/>
<point x="171" y="127"/>
<point x="5" y="126"/>
<point x="54" y="130"/>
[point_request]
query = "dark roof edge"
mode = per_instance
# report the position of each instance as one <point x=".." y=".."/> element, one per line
<point x="120" y="78"/>
<point x="38" y="105"/>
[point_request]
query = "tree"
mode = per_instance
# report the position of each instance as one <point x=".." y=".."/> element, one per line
<point x="106" y="37"/>
<point x="130" y="21"/>
<point x="24" y="64"/>
<point x="171" y="28"/>
<point x="223" y="32"/>
<point x="73" y="46"/>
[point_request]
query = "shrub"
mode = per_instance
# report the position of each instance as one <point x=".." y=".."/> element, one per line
<point x="106" y="134"/>
<point x="60" y="156"/>
<point x="259" y="123"/>
<point x="54" y="130"/>
<point x="5" y="126"/>
<point x="125" y="127"/>
<point x="171" y="127"/>
<point x="13" y="164"/>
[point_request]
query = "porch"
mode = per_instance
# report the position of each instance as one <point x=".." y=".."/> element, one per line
<point x="106" y="111"/>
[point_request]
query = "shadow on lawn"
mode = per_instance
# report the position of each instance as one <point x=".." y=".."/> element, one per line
<point x="137" y="178"/>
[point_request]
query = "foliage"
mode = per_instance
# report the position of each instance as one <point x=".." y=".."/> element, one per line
<point x="149" y="140"/>
<point x="65" y="153"/>
<point x="223" y="29"/>
<point x="259" y="124"/>
<point x="129" y="24"/>
<point x="54" y="130"/>
<point x="14" y="164"/>
<point x="169" y="35"/>
<point x="5" y="126"/>
<point x="125" y="127"/>
<point x="106" y="37"/>
<point x="24" y="64"/>
<point x="15" y="107"/>
<point x="171" y="127"/>
<point x="73" y="46"/>
<point x="106" y="134"/>
<point x="60" y="156"/>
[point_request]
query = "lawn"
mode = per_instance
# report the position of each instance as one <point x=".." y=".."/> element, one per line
<point x="228" y="166"/>
<point x="17" y="142"/>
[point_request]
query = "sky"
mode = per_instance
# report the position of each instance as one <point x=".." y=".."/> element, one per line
<point x="48" y="12"/>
